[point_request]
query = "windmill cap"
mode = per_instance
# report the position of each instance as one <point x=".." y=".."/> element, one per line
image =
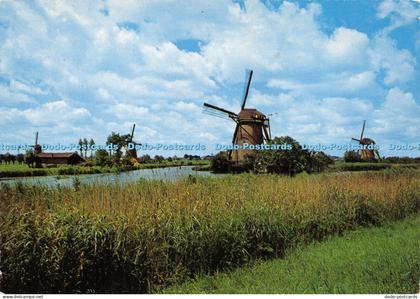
<point x="251" y="113"/>
<point x="367" y="141"/>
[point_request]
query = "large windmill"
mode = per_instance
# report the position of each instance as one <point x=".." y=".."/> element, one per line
<point x="368" y="152"/>
<point x="252" y="126"/>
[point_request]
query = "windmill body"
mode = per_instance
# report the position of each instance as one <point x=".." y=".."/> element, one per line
<point x="252" y="126"/>
<point x="250" y="130"/>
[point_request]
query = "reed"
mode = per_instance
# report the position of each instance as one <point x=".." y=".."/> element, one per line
<point x="144" y="236"/>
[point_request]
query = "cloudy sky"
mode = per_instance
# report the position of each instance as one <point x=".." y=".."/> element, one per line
<point x="72" y="69"/>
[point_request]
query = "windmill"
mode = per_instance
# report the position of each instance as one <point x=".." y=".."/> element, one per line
<point x="252" y="126"/>
<point x="36" y="146"/>
<point x="131" y="153"/>
<point x="368" y="152"/>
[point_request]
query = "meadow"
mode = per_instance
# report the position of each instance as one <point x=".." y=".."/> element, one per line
<point x="142" y="237"/>
<point x="380" y="260"/>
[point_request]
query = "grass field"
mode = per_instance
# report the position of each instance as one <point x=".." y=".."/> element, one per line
<point x="365" y="166"/>
<point x="382" y="260"/>
<point x="151" y="234"/>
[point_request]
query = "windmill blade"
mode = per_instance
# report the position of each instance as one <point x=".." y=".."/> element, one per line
<point x="376" y="154"/>
<point x="233" y="139"/>
<point x="363" y="129"/>
<point x="132" y="132"/>
<point x="247" y="90"/>
<point x="217" y="111"/>
<point x="36" y="138"/>
<point x="267" y="130"/>
<point x="358" y="140"/>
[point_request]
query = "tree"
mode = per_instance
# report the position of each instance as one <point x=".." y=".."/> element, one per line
<point x="20" y="158"/>
<point x="30" y="158"/>
<point x="2" y="158"/>
<point x="91" y="144"/>
<point x="318" y="161"/>
<point x="85" y="145"/>
<point x="159" y="158"/>
<point x="352" y="156"/>
<point x="120" y="141"/>
<point x="7" y="158"/>
<point x="81" y="146"/>
<point x="286" y="161"/>
<point x="220" y="163"/>
<point x="102" y="158"/>
<point x="145" y="159"/>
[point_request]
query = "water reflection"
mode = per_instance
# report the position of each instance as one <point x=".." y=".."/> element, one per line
<point x="166" y="174"/>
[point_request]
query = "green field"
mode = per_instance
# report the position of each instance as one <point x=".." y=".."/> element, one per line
<point x="382" y="260"/>
<point x="141" y="237"/>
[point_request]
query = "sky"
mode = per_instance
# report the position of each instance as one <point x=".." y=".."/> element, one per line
<point x="72" y="69"/>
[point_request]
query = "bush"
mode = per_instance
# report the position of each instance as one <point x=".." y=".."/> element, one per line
<point x="220" y="163"/>
<point x="285" y="161"/>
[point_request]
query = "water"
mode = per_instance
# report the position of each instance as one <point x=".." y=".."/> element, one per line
<point x="166" y="174"/>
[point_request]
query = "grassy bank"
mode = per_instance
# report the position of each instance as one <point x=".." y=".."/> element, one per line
<point x="22" y="170"/>
<point x="382" y="260"/>
<point x="144" y="236"/>
<point x="366" y="166"/>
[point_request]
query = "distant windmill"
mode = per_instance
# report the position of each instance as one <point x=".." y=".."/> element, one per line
<point x="131" y="153"/>
<point x="252" y="126"/>
<point x="36" y="146"/>
<point x="365" y="153"/>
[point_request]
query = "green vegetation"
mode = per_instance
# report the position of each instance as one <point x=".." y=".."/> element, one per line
<point x="290" y="160"/>
<point x="21" y="170"/>
<point x="370" y="166"/>
<point x="367" y="261"/>
<point x="358" y="166"/>
<point x="145" y="236"/>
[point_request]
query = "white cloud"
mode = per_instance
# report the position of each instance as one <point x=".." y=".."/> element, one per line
<point x="400" y="12"/>
<point x="127" y="111"/>
<point x="322" y="84"/>
<point x="48" y="114"/>
<point x="398" y="65"/>
<point x="347" y="45"/>
<point x="399" y="114"/>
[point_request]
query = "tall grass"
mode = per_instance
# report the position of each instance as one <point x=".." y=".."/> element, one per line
<point x="140" y="237"/>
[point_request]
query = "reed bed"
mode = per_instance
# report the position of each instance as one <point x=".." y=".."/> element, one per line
<point x="141" y="237"/>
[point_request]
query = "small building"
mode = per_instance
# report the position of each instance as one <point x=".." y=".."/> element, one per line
<point x="60" y="158"/>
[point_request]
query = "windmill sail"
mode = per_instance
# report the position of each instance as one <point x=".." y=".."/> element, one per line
<point x="363" y="130"/>
<point x="247" y="90"/>
<point x="217" y="111"/>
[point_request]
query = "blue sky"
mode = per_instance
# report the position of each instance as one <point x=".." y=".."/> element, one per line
<point x="72" y="69"/>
